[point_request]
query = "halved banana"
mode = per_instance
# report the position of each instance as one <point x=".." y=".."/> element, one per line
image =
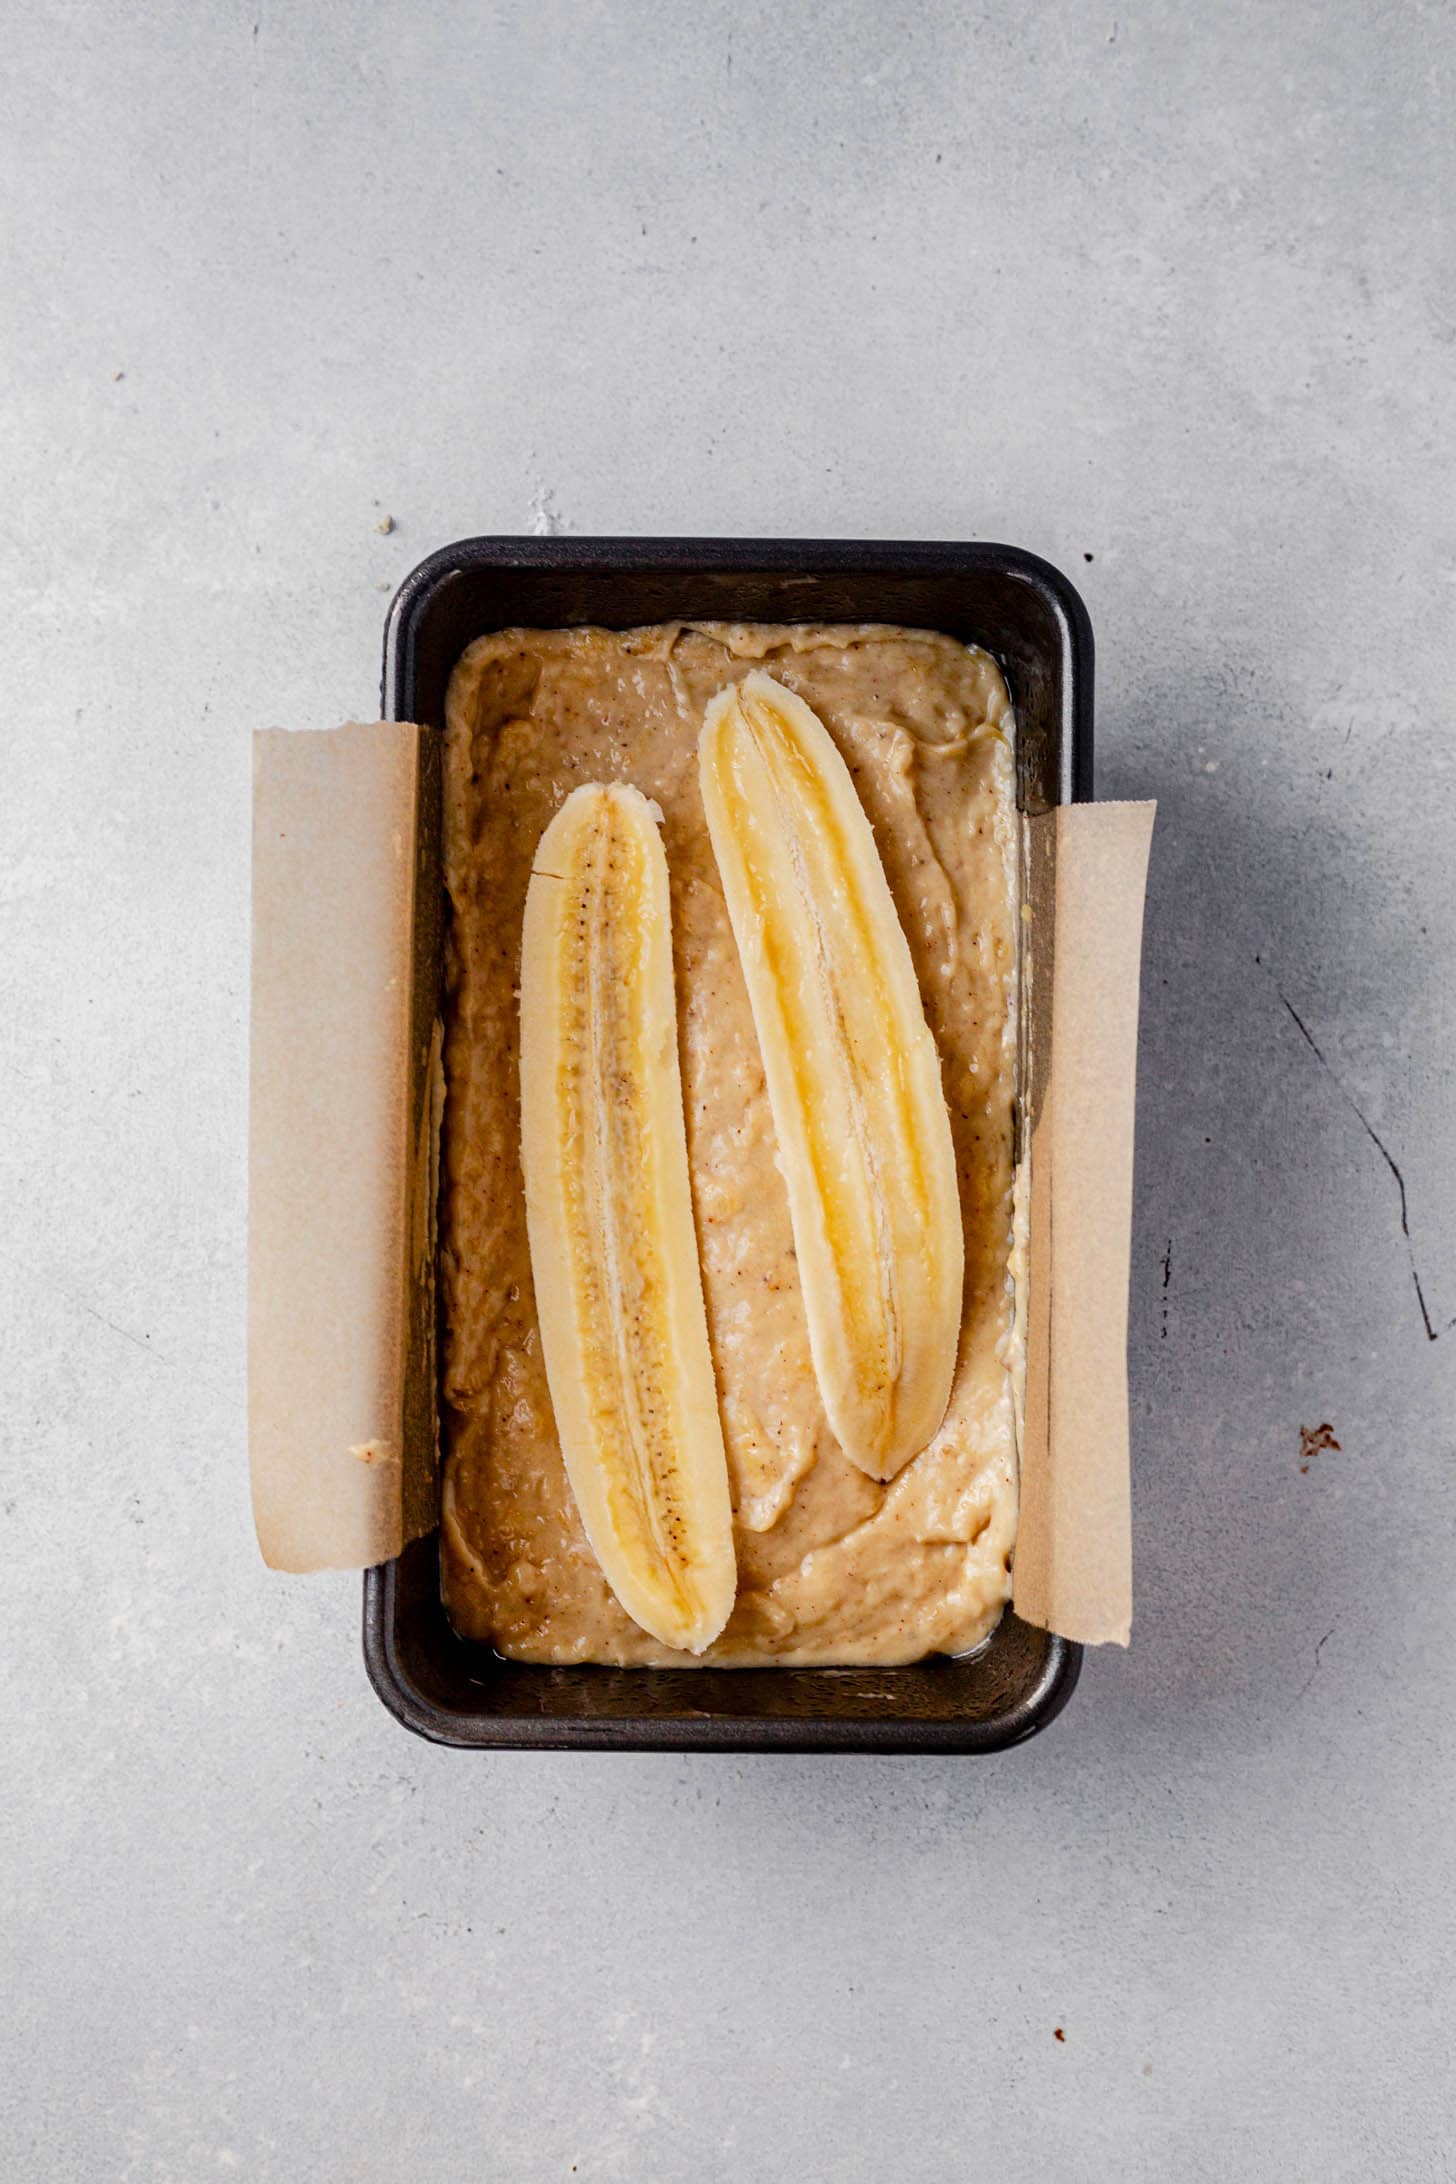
<point x="614" y="1254"/>
<point x="852" y="1070"/>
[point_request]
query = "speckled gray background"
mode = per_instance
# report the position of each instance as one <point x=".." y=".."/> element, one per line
<point x="1164" y="292"/>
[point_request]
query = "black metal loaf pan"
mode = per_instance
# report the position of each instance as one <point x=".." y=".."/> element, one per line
<point x="1029" y="616"/>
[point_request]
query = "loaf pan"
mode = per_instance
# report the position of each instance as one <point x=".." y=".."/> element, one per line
<point x="1025" y="613"/>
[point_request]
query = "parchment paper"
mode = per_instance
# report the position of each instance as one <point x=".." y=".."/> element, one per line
<point x="1086" y="880"/>
<point x="330" y="1256"/>
<point x="345" y="1116"/>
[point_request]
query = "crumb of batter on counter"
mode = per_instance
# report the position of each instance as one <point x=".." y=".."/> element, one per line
<point x="1312" y="1440"/>
<point x="384" y="526"/>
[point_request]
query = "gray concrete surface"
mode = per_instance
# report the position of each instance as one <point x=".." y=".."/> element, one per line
<point x="1165" y="292"/>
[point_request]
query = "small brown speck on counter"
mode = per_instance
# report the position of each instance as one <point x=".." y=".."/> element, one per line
<point x="1314" y="1439"/>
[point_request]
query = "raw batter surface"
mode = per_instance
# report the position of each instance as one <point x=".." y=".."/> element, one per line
<point x="832" y="1565"/>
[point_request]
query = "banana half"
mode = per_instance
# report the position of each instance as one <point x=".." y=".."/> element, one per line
<point x="614" y="1254"/>
<point x="852" y="1070"/>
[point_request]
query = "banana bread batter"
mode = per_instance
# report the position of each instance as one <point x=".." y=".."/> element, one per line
<point x="832" y="1565"/>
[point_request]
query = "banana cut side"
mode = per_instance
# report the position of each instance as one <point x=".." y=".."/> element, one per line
<point x="614" y="1254"/>
<point x="852" y="1070"/>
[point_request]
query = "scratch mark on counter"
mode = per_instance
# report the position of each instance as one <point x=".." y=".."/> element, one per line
<point x="1314" y="1669"/>
<point x="1167" y="1277"/>
<point x="139" y="1341"/>
<point x="1376" y="1140"/>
